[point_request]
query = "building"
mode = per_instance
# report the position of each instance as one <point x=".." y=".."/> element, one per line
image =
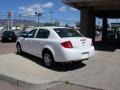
<point x="90" y="9"/>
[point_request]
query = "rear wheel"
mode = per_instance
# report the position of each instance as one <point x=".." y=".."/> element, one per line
<point x="48" y="59"/>
<point x="19" y="50"/>
<point x="2" y="40"/>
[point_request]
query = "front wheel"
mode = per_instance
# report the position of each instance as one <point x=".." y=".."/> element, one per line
<point x="48" y="59"/>
<point x="19" y="50"/>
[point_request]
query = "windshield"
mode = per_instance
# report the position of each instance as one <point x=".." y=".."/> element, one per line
<point x="64" y="32"/>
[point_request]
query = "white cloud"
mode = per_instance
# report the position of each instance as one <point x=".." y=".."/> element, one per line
<point x="48" y="5"/>
<point x="62" y="9"/>
<point x="31" y="9"/>
<point x="73" y="9"/>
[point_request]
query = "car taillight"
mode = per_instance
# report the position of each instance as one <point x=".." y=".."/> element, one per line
<point x="67" y="44"/>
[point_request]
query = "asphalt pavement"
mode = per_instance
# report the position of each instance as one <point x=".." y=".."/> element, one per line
<point x="100" y="72"/>
<point x="26" y="72"/>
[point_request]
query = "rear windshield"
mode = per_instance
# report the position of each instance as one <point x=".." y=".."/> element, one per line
<point x="8" y="32"/>
<point x="64" y="32"/>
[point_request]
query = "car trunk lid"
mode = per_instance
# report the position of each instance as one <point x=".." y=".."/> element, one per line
<point x="79" y="42"/>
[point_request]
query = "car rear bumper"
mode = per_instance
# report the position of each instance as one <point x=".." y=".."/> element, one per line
<point x="76" y="54"/>
<point x="8" y="39"/>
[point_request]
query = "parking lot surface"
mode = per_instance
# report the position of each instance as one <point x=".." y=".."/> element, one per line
<point x="101" y="71"/>
<point x="23" y="69"/>
<point x="7" y="47"/>
<point x="26" y="72"/>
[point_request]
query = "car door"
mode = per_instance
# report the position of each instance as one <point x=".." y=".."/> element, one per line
<point x="28" y="41"/>
<point x="40" y="41"/>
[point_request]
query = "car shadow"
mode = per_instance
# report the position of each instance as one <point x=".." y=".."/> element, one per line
<point x="59" y="67"/>
<point x="7" y="41"/>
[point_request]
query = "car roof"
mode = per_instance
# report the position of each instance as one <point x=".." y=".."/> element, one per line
<point x="50" y="27"/>
<point x="8" y="31"/>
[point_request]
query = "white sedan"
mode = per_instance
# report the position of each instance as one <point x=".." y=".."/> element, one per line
<point x="56" y="44"/>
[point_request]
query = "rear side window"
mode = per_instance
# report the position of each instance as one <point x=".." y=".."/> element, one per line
<point x="64" y="32"/>
<point x="42" y="33"/>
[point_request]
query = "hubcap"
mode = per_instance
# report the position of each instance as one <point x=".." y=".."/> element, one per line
<point x="47" y="59"/>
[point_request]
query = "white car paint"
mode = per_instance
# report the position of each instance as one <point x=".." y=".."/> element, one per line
<point x="82" y="46"/>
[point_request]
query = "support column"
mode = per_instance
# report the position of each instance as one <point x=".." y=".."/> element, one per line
<point x="87" y="26"/>
<point x="104" y="29"/>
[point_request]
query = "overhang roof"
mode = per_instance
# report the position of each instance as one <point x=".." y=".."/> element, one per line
<point x="108" y="8"/>
<point x="94" y="4"/>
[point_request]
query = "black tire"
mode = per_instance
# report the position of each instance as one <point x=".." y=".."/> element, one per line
<point x="19" y="49"/>
<point x="2" y="40"/>
<point x="48" y="59"/>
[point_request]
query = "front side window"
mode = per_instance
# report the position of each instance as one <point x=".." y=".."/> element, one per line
<point x="64" y="32"/>
<point x="31" y="34"/>
<point x="42" y="33"/>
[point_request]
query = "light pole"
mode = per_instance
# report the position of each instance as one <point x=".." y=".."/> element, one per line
<point x="10" y="20"/>
<point x="51" y="13"/>
<point x="38" y="15"/>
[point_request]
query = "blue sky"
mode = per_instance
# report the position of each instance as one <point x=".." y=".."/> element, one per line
<point x="61" y="12"/>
